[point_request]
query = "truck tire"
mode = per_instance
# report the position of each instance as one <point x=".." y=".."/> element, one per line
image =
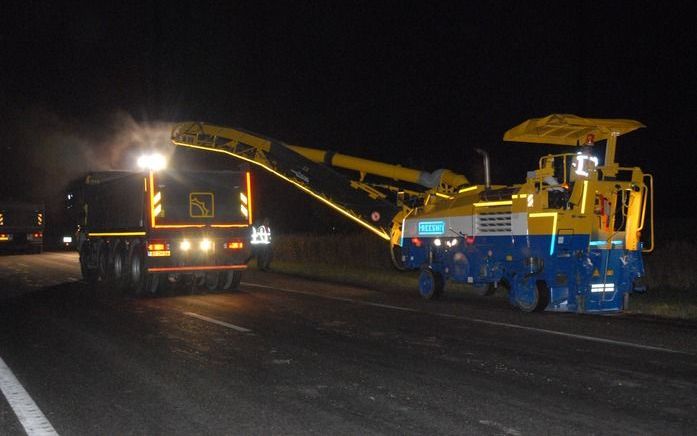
<point x="90" y="275"/>
<point x="142" y="282"/>
<point x="213" y="281"/>
<point x="431" y="284"/>
<point x="119" y="269"/>
<point x="136" y="270"/>
<point x="231" y="280"/>
<point x="152" y="283"/>
<point x="103" y="265"/>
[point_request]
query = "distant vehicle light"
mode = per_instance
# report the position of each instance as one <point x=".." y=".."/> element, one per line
<point x="185" y="245"/>
<point x="205" y="244"/>
<point x="4" y="237"/>
<point x="67" y="239"/>
<point x="154" y="162"/>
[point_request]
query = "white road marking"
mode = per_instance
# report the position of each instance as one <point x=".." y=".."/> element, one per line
<point x="28" y="413"/>
<point x="506" y="430"/>
<point x="215" y="321"/>
<point x="476" y="320"/>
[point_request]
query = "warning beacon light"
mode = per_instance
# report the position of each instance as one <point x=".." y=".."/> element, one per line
<point x="154" y="162"/>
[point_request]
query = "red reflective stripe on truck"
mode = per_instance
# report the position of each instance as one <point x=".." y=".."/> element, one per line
<point x="196" y="268"/>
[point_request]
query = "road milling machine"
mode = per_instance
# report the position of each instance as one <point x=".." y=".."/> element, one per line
<point x="567" y="239"/>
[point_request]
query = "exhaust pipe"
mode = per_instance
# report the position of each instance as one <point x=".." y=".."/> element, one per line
<point x="487" y="177"/>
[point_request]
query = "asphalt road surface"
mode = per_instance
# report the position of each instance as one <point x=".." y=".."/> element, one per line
<point x="290" y="356"/>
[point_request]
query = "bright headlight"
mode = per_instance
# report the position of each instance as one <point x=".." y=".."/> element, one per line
<point x="185" y="245"/>
<point x="437" y="242"/>
<point x="154" y="162"/>
<point x="205" y="244"/>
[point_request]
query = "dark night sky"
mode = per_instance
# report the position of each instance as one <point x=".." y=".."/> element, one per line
<point x="416" y="83"/>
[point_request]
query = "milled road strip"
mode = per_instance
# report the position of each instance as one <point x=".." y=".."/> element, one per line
<point x="215" y="321"/>
<point x="28" y="413"/>
<point x="475" y="320"/>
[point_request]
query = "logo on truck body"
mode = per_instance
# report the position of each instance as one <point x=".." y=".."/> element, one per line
<point x="201" y="205"/>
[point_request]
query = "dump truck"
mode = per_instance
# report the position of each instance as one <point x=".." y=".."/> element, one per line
<point x="141" y="231"/>
<point x="21" y="226"/>
<point x="570" y="238"/>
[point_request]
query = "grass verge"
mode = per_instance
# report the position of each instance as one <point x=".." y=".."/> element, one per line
<point x="372" y="278"/>
<point x="667" y="303"/>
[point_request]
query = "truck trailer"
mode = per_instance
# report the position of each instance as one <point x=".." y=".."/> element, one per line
<point x="139" y="231"/>
<point x="21" y="226"/>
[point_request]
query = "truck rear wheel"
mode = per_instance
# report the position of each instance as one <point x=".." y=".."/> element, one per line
<point x="90" y="275"/>
<point x="231" y="280"/>
<point x="213" y="281"/>
<point x="136" y="270"/>
<point x="103" y="264"/>
<point x="119" y="270"/>
<point x="152" y="283"/>
<point x="142" y="282"/>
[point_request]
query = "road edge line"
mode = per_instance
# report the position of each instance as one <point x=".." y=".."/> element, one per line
<point x="30" y="416"/>
<point x="218" y="322"/>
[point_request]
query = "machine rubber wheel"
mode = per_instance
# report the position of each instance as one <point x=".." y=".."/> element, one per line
<point x="484" y="290"/>
<point x="212" y="281"/>
<point x="88" y="274"/>
<point x="119" y="273"/>
<point x="231" y="280"/>
<point x="535" y="299"/>
<point x="431" y="284"/>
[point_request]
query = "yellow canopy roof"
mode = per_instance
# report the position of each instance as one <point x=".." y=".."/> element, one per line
<point x="567" y="129"/>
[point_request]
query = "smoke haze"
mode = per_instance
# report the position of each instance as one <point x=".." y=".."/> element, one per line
<point x="45" y="152"/>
